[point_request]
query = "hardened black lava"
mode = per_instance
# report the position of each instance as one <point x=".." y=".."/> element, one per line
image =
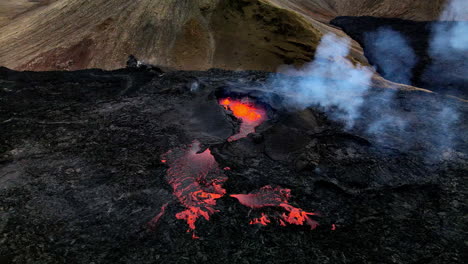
<point x="81" y="176"/>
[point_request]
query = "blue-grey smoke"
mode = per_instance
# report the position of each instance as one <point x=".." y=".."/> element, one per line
<point x="448" y="48"/>
<point x="395" y="58"/>
<point x="340" y="88"/>
<point x="444" y="122"/>
<point x="385" y="119"/>
<point x="331" y="82"/>
<point x="392" y="53"/>
<point x="455" y="10"/>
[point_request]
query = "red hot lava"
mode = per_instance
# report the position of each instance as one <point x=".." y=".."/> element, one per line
<point x="263" y="220"/>
<point x="268" y="196"/>
<point x="250" y="115"/>
<point x="197" y="182"/>
<point x="196" y="178"/>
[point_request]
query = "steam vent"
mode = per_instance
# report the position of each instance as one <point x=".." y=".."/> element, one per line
<point x="233" y="131"/>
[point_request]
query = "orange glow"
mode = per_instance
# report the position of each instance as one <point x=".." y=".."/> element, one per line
<point x="225" y="102"/>
<point x="196" y="181"/>
<point x="268" y="196"/>
<point x="282" y="223"/>
<point x="263" y="220"/>
<point x="250" y="115"/>
<point x="243" y="110"/>
<point x="297" y="216"/>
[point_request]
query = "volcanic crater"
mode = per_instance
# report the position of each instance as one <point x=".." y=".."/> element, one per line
<point x="116" y="166"/>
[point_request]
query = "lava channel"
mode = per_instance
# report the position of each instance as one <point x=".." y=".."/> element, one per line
<point x="250" y="115"/>
<point x="196" y="181"/>
<point x="268" y="196"/>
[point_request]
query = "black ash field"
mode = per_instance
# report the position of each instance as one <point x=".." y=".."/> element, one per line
<point x="81" y="173"/>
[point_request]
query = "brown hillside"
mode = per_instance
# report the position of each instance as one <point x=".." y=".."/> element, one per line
<point x="184" y="34"/>
<point x="12" y="9"/>
<point x="325" y="10"/>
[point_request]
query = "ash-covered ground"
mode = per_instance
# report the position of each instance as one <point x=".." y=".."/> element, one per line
<point x="81" y="174"/>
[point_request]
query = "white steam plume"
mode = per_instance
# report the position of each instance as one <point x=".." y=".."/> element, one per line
<point x="341" y="89"/>
<point x="331" y="82"/>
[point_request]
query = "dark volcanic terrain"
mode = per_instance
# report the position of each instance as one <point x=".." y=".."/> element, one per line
<point x="448" y="75"/>
<point x="81" y="174"/>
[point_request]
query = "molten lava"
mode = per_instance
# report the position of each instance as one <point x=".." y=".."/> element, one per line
<point x="196" y="178"/>
<point x="268" y="196"/>
<point x="196" y="181"/>
<point x="263" y="220"/>
<point x="250" y="115"/>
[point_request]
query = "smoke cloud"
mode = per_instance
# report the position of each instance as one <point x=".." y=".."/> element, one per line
<point x="385" y="119"/>
<point x="448" y="48"/>
<point x="391" y="51"/>
<point x="455" y="10"/>
<point x="331" y="82"/>
<point x="444" y="123"/>
<point x="341" y="88"/>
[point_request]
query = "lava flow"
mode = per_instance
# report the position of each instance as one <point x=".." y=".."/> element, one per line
<point x="263" y="220"/>
<point x="268" y="196"/>
<point x="250" y="115"/>
<point x="196" y="181"/>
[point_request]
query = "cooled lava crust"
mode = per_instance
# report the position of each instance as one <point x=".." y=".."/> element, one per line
<point x="82" y="178"/>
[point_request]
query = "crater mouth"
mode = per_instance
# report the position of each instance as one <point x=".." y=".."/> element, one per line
<point x="250" y="114"/>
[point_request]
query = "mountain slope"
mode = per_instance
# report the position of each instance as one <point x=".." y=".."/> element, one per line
<point x="325" y="10"/>
<point x="182" y="34"/>
<point x="12" y="9"/>
<point x="77" y="34"/>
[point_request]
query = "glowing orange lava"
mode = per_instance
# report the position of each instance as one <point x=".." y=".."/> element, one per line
<point x="268" y="196"/>
<point x="197" y="182"/>
<point x="243" y="110"/>
<point x="250" y="115"/>
<point x="263" y="220"/>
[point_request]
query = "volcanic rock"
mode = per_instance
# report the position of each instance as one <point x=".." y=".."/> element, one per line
<point x="82" y="178"/>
